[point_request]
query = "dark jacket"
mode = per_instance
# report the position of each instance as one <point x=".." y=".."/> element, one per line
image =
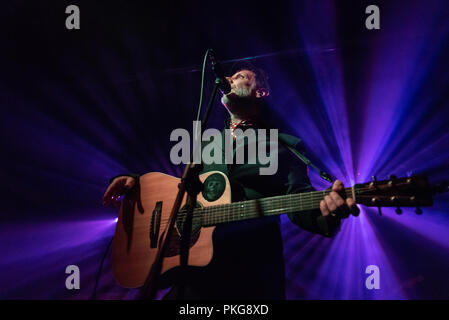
<point x="248" y="255"/>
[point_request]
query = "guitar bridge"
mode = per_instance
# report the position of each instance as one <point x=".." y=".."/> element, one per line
<point x="155" y="224"/>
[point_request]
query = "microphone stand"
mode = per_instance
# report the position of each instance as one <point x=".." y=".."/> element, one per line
<point x="191" y="184"/>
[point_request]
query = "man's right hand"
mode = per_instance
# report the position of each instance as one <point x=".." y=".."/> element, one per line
<point x="118" y="187"/>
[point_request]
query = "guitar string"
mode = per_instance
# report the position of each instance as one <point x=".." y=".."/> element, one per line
<point x="233" y="209"/>
<point x="238" y="205"/>
<point x="309" y="202"/>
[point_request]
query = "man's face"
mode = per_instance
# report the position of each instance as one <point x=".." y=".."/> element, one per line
<point x="243" y="86"/>
<point x="243" y="83"/>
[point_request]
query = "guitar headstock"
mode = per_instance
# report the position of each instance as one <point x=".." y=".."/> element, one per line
<point x="413" y="191"/>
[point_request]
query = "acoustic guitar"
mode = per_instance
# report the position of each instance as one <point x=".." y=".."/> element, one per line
<point x="144" y="215"/>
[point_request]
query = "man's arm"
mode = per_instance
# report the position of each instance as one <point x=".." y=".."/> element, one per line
<point x="312" y="220"/>
<point x="327" y="219"/>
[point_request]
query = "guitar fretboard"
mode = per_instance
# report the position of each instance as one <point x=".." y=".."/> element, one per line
<point x="250" y="209"/>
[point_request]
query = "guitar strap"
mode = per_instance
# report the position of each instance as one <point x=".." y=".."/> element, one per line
<point x="323" y="174"/>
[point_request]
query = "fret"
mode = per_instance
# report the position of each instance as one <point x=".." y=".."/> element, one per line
<point x="290" y="203"/>
<point x="249" y="209"/>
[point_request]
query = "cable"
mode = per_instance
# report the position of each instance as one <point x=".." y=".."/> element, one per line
<point x="99" y="270"/>
<point x="200" y="104"/>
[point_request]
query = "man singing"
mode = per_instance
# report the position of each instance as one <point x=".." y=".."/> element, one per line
<point x="248" y="255"/>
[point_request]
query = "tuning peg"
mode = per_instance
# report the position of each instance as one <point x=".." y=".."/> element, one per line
<point x="373" y="183"/>
<point x="392" y="179"/>
<point x="395" y="201"/>
<point x="379" y="209"/>
<point x="418" y="210"/>
<point x="375" y="200"/>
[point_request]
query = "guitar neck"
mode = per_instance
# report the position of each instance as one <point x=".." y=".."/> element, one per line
<point x="250" y="209"/>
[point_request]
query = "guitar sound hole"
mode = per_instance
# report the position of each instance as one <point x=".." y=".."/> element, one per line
<point x="174" y="247"/>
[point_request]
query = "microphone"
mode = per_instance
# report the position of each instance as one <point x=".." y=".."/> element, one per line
<point x="224" y="86"/>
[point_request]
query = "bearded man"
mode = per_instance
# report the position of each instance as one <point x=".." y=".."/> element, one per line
<point x="248" y="255"/>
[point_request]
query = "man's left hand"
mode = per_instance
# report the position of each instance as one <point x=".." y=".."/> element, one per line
<point x="334" y="204"/>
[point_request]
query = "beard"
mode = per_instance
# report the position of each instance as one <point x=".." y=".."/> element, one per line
<point x="238" y="99"/>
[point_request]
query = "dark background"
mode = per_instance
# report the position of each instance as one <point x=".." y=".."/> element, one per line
<point x="80" y="106"/>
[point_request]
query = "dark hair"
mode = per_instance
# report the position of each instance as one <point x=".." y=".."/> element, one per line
<point x="261" y="75"/>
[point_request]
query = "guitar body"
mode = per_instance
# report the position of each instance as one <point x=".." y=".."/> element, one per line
<point x="143" y="218"/>
<point x="145" y="212"/>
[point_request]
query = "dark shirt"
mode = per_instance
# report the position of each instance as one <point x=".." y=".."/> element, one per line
<point x="248" y="255"/>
